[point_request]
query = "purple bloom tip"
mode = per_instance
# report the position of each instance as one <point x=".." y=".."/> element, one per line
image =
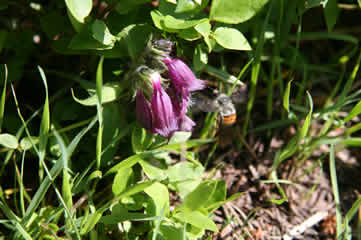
<point x="182" y="76"/>
<point x="165" y="121"/>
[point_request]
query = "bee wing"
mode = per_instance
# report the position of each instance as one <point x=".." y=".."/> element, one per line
<point x="203" y="103"/>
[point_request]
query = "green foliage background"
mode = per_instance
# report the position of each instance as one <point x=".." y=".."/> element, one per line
<point x="75" y="164"/>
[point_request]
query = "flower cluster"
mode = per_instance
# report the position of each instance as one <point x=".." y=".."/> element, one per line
<point x="161" y="104"/>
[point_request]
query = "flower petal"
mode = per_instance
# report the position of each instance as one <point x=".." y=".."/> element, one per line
<point x="182" y="76"/>
<point x="164" y="119"/>
<point x="143" y="111"/>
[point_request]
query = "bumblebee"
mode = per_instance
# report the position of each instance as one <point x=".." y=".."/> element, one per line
<point x="221" y="103"/>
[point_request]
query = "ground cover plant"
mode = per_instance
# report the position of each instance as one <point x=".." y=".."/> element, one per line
<point x="174" y="120"/>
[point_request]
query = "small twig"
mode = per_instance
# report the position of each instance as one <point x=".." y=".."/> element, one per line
<point x="299" y="229"/>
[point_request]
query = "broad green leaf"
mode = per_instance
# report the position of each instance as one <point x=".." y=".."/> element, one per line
<point x="3" y="94"/>
<point x="184" y="171"/>
<point x="189" y="34"/>
<point x="110" y="92"/>
<point x="175" y="23"/>
<point x="286" y="96"/>
<point x="101" y="33"/>
<point x="8" y="141"/>
<point x="158" y="19"/>
<point x="206" y="194"/>
<point x="121" y="214"/>
<point x="180" y="137"/>
<point x="26" y="143"/>
<point x="331" y="12"/>
<point x="197" y="219"/>
<point x="170" y="232"/>
<point x="204" y="29"/>
<point x="231" y="38"/>
<point x="122" y="180"/>
<point x="354" y="112"/>
<point x="307" y="122"/>
<point x="153" y="172"/>
<point x="235" y="11"/>
<point x="160" y="195"/>
<point x="185" y="6"/>
<point x="79" y="9"/>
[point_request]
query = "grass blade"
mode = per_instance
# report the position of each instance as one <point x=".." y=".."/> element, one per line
<point x="3" y="97"/>
<point x="335" y="192"/>
<point x="44" y="125"/>
<point x="99" y="85"/>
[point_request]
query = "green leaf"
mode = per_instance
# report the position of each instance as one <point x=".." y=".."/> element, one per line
<point x="110" y="92"/>
<point x="127" y="163"/>
<point x="307" y="122"/>
<point x="3" y="95"/>
<point x="197" y="219"/>
<point x="170" y="232"/>
<point x="235" y="11"/>
<point x="101" y="33"/>
<point x="26" y="142"/>
<point x="45" y="120"/>
<point x="178" y="23"/>
<point x="8" y="141"/>
<point x="153" y="172"/>
<point x="122" y="180"/>
<point x="92" y="221"/>
<point x="160" y="195"/>
<point x="185" y="171"/>
<point x="79" y="9"/>
<point x="179" y="137"/>
<point x="138" y="137"/>
<point x="231" y="38"/>
<point x="206" y="194"/>
<point x="286" y="96"/>
<point x="354" y="112"/>
<point x="331" y="12"/>
<point x="189" y="34"/>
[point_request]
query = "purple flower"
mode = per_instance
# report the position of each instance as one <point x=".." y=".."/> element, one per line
<point x="143" y="111"/>
<point x="185" y="124"/>
<point x="164" y="119"/>
<point x="182" y="76"/>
